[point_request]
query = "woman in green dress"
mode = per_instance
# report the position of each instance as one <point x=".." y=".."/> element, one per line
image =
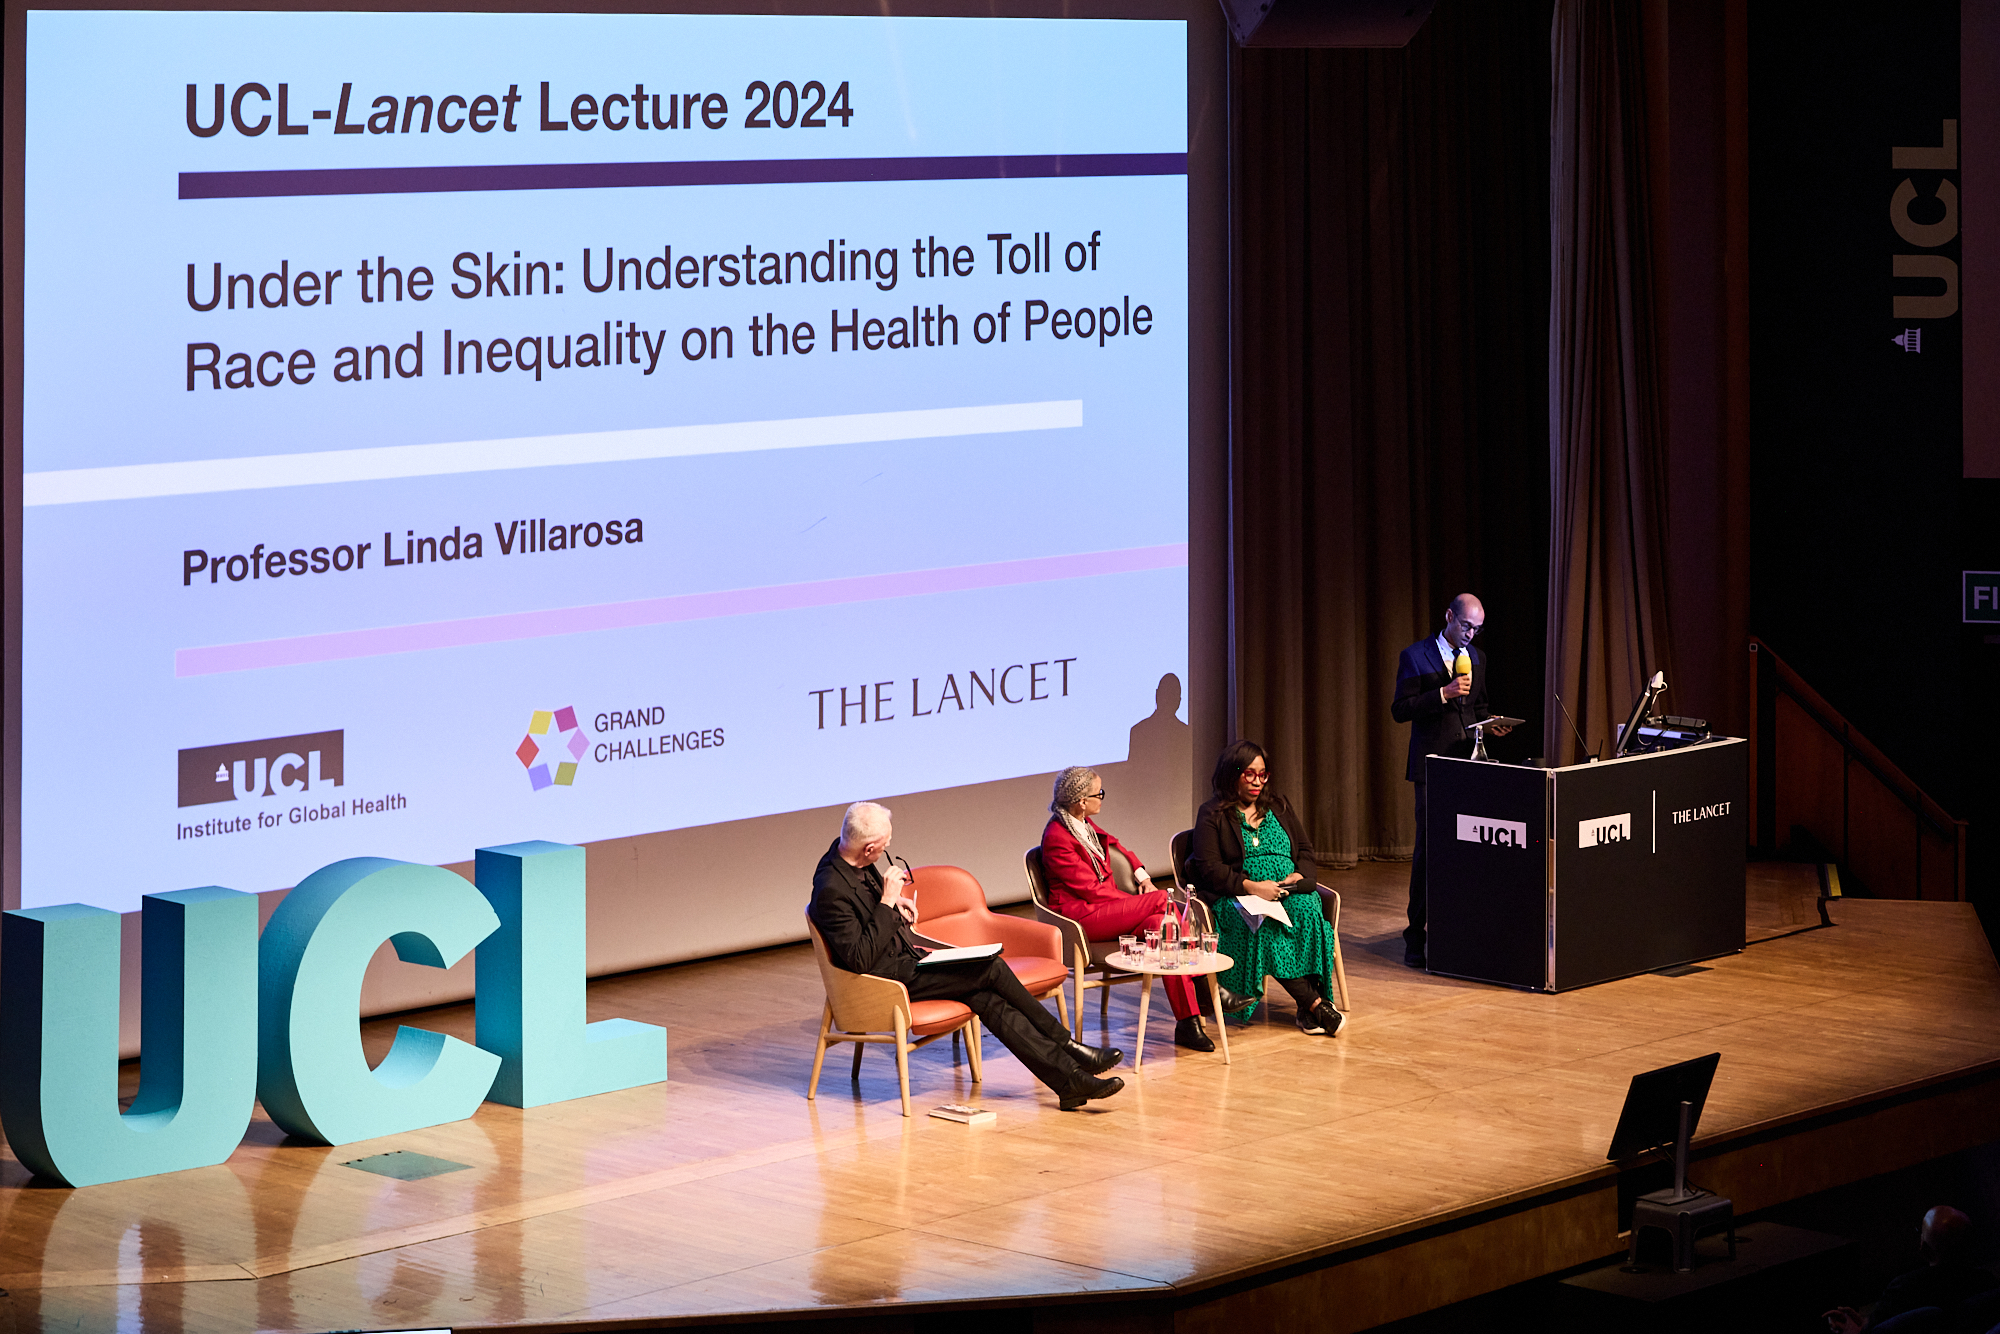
<point x="1248" y="841"/>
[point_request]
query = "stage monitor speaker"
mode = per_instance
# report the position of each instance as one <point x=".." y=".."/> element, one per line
<point x="1326" y="22"/>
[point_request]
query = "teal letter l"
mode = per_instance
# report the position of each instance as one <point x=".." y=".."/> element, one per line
<point x="531" y="986"/>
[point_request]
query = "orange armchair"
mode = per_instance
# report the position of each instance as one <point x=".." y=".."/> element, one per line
<point x="951" y="909"/>
<point x="861" y="1008"/>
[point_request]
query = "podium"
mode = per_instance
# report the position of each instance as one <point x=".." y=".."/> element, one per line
<point x="1551" y="879"/>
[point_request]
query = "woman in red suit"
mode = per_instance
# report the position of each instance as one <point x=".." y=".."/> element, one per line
<point x="1076" y="855"/>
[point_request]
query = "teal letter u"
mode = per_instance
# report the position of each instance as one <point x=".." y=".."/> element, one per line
<point x="59" y="1036"/>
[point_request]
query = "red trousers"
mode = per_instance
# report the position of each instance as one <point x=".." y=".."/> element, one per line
<point x="1133" y="913"/>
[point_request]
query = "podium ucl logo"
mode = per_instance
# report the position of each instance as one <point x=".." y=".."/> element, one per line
<point x="559" y="733"/>
<point x="1601" y="833"/>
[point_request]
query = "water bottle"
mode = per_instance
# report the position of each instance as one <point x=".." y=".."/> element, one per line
<point x="1170" y="938"/>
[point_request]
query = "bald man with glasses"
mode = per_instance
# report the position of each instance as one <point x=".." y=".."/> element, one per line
<point x="1441" y="706"/>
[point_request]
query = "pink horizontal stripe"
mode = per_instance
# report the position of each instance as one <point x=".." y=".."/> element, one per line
<point x="373" y="643"/>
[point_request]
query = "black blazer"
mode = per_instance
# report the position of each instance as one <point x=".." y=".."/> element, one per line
<point x="1442" y="727"/>
<point x="1218" y="849"/>
<point x="862" y="934"/>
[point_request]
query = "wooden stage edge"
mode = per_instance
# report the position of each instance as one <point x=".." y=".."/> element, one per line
<point x="1449" y="1142"/>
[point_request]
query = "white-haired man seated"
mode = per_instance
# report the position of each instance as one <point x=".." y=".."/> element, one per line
<point x="865" y="921"/>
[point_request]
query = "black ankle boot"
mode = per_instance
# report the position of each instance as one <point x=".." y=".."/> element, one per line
<point x="1189" y="1033"/>
<point x="1095" y="1060"/>
<point x="1235" y="1004"/>
<point x="1086" y="1089"/>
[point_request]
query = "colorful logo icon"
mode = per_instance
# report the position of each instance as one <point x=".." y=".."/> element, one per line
<point x="559" y="732"/>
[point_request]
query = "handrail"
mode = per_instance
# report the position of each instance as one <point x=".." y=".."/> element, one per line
<point x="1783" y="679"/>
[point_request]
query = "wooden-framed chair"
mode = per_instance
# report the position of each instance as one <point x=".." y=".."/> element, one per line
<point x="1083" y="957"/>
<point x="1182" y="849"/>
<point x="951" y="909"/>
<point x="862" y="1009"/>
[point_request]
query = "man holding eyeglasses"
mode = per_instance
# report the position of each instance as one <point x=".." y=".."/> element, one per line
<point x="1441" y="704"/>
<point x="865" y="921"/>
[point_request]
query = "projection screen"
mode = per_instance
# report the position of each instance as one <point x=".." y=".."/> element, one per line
<point x="444" y="429"/>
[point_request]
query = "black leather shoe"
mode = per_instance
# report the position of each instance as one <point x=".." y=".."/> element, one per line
<point x="1190" y="1033"/>
<point x="1087" y="1089"/>
<point x="1094" y="1059"/>
<point x="1235" y="1004"/>
<point x="1413" y="958"/>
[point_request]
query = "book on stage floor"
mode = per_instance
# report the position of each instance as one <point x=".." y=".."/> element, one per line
<point x="1255" y="908"/>
<point x="962" y="952"/>
<point x="963" y="1113"/>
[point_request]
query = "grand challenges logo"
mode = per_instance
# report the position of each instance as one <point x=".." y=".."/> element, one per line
<point x="560" y="733"/>
<point x="232" y="1018"/>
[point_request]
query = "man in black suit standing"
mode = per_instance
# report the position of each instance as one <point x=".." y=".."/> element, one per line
<point x="1442" y="705"/>
<point x="865" y="921"/>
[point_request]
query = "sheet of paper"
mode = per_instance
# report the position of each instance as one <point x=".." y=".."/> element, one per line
<point x="961" y="952"/>
<point x="1256" y="907"/>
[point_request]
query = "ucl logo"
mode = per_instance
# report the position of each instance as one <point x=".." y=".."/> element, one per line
<point x="247" y="770"/>
<point x="1601" y="833"/>
<point x="1493" y="833"/>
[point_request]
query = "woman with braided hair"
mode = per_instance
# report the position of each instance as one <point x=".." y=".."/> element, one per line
<point x="1083" y="886"/>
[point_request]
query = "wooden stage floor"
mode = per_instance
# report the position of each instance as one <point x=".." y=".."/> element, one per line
<point x="1450" y="1141"/>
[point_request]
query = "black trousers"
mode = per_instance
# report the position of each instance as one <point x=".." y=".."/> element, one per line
<point x="1414" y="934"/>
<point x="1022" y="1023"/>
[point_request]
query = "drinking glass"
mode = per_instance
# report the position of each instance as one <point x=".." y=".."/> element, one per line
<point x="1152" y="944"/>
<point x="1208" y="943"/>
<point x="1128" y="945"/>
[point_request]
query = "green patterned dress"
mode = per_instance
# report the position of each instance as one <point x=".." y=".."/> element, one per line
<point x="1270" y="949"/>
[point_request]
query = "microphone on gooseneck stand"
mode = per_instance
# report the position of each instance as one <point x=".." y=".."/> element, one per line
<point x="1581" y="744"/>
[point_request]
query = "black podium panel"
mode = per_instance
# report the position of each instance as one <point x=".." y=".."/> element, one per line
<point x="1649" y="862"/>
<point x="1488" y="871"/>
<point x="1558" y="878"/>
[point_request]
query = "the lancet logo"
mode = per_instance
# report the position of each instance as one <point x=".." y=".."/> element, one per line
<point x="248" y="770"/>
<point x="1610" y="829"/>
<point x="1499" y="833"/>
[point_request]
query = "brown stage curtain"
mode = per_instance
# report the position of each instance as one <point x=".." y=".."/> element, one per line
<point x="1607" y="629"/>
<point x="1390" y="429"/>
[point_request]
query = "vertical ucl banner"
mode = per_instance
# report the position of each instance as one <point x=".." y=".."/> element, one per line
<point x="439" y="427"/>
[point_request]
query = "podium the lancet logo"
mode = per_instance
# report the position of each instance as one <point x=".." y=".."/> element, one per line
<point x="1497" y="833"/>
<point x="1600" y="832"/>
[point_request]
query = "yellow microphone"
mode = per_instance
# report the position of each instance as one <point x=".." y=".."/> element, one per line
<point x="1462" y="665"/>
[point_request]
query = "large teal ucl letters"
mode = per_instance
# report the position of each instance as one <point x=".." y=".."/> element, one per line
<point x="228" y="1017"/>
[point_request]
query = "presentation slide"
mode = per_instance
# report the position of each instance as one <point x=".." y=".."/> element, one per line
<point x="447" y="430"/>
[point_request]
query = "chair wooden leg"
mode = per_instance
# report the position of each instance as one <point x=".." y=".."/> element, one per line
<point x="972" y="1050"/>
<point x="1339" y="961"/>
<point x="1104" y="1005"/>
<point x="1076" y="1020"/>
<point x="1062" y="1007"/>
<point x="819" y="1053"/>
<point x="903" y="1060"/>
<point x="859" y="1047"/>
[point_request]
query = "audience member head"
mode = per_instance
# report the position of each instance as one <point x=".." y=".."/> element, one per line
<point x="864" y="832"/>
<point x="1076" y="786"/>
<point x="1947" y="1235"/>
<point x="1242" y="775"/>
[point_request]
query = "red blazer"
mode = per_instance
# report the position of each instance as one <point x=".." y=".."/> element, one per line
<point x="1074" y="880"/>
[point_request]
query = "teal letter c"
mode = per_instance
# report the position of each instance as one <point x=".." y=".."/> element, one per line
<point x="312" y="1075"/>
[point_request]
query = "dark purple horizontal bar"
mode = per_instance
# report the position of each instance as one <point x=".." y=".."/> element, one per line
<point x="619" y="175"/>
